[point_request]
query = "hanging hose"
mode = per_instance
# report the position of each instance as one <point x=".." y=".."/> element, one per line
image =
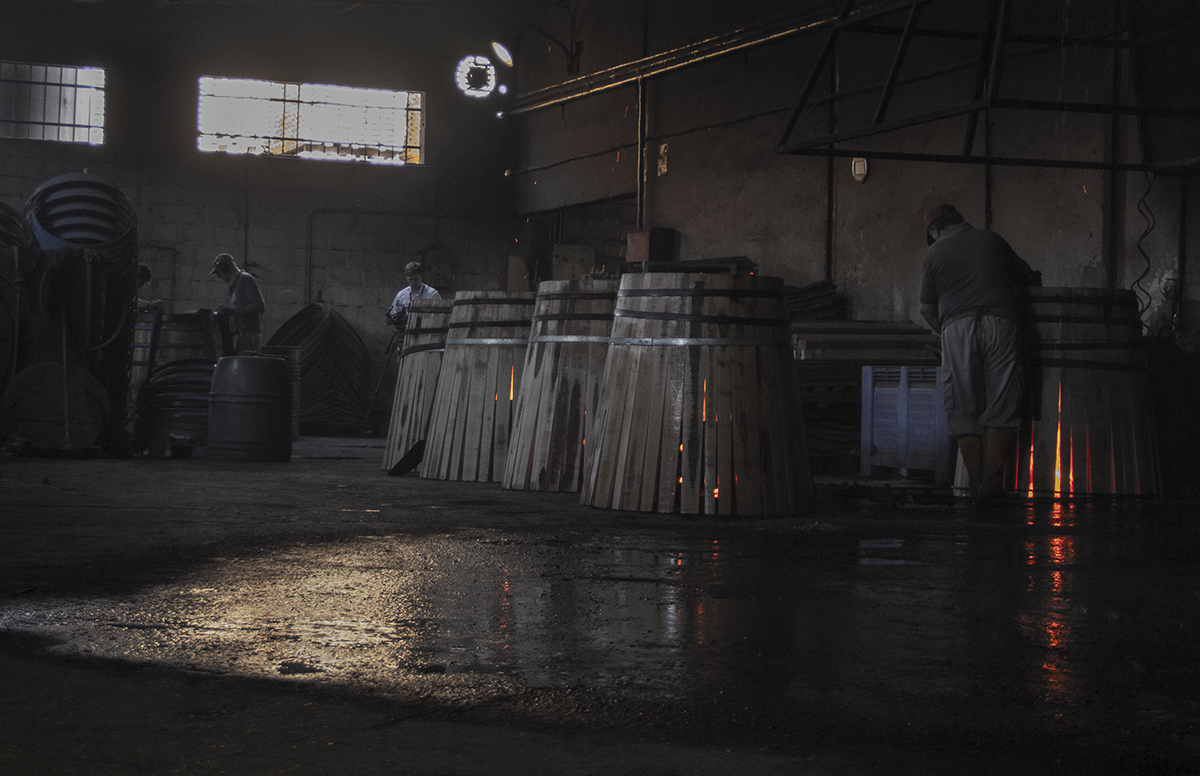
<point x="1148" y="216"/>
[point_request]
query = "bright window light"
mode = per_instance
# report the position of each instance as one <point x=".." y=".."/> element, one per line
<point x="52" y="102"/>
<point x="310" y="121"/>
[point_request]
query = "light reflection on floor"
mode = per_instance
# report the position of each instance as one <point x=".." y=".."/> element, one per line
<point x="947" y="619"/>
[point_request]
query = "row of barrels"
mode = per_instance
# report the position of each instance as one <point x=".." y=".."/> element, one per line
<point x="676" y="393"/>
<point x="667" y="392"/>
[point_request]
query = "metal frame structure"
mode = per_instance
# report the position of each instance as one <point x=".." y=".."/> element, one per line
<point x="984" y="98"/>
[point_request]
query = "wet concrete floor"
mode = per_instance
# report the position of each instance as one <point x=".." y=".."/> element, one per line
<point x="431" y="627"/>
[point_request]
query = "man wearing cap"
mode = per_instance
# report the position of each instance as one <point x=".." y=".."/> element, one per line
<point x="968" y="297"/>
<point x="245" y="306"/>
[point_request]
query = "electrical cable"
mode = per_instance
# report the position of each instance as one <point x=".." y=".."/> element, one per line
<point x="1148" y="216"/>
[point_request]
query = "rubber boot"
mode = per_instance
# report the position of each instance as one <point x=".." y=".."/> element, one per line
<point x="971" y="448"/>
<point x="997" y="444"/>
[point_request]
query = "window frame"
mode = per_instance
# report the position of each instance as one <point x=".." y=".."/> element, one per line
<point x="290" y="119"/>
<point x="43" y="89"/>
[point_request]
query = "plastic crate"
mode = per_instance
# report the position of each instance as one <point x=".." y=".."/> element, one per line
<point x="903" y="422"/>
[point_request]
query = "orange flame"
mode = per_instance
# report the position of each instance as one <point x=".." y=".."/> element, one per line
<point x="1031" y="443"/>
<point x="1058" y="449"/>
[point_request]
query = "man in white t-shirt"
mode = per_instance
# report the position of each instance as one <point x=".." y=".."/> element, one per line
<point x="416" y="289"/>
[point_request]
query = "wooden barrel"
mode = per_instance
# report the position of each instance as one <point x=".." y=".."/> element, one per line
<point x="291" y="354"/>
<point x="560" y="384"/>
<point x="1090" y="428"/>
<point x="171" y="412"/>
<point x="699" y="410"/>
<point x="478" y="382"/>
<point x="51" y="407"/>
<point x="168" y="337"/>
<point x="416" y="383"/>
<point x="250" y="410"/>
<point x="162" y="338"/>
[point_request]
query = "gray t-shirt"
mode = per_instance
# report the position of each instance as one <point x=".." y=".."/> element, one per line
<point x="247" y="303"/>
<point x="971" y="268"/>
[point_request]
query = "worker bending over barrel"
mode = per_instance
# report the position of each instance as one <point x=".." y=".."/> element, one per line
<point x="968" y="297"/>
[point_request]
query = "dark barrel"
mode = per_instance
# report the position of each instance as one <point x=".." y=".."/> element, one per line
<point x="1090" y="428"/>
<point x="480" y="375"/>
<point x="14" y="232"/>
<point x="560" y="384"/>
<point x="421" y="351"/>
<point x="171" y="407"/>
<point x="250" y="410"/>
<point x="699" y="410"/>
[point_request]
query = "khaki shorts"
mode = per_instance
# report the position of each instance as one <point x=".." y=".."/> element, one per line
<point x="247" y="342"/>
<point x="980" y="385"/>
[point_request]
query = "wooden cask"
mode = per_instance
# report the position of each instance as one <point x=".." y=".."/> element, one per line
<point x="560" y="384"/>
<point x="699" y="411"/>
<point x="416" y="382"/>
<point x="1090" y="428"/>
<point x="477" y="386"/>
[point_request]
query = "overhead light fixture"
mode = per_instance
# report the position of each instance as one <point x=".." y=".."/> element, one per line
<point x="502" y="53"/>
<point x="475" y="76"/>
<point x="573" y="49"/>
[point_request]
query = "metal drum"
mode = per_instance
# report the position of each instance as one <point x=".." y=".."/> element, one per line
<point x="250" y="410"/>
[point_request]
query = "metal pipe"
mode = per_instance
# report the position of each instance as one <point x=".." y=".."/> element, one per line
<point x="901" y="50"/>
<point x="1114" y="188"/>
<point x="665" y="62"/>
<point x="830" y="178"/>
<point x="826" y="51"/>
<point x="66" y="381"/>
<point x="991" y="45"/>
<point x="641" y="155"/>
<point x="1174" y="168"/>
<point x="1181" y="261"/>
<point x="89" y="274"/>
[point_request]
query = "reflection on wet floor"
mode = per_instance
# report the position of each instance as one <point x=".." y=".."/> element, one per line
<point x="1039" y="620"/>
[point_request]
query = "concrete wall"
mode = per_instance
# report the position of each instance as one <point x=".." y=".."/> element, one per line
<point x="343" y="231"/>
<point x="728" y="192"/>
<point x="335" y="231"/>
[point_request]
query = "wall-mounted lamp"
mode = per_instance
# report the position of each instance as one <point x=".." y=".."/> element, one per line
<point x="572" y="50"/>
<point x="859" y="169"/>
<point x="502" y="53"/>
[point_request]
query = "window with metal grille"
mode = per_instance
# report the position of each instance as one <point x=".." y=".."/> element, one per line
<point x="310" y="121"/>
<point x="52" y="102"/>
